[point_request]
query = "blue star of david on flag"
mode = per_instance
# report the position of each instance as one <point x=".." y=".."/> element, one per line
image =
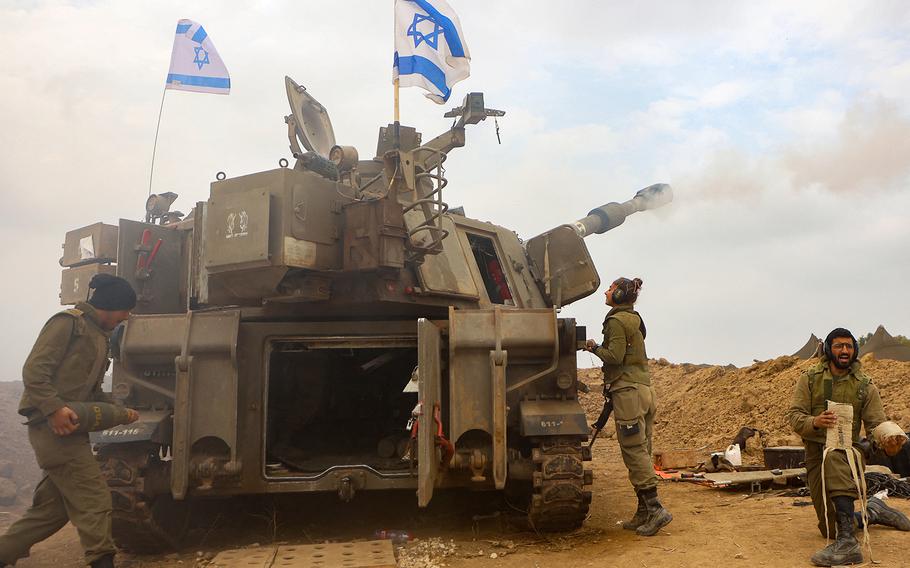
<point x="195" y="63"/>
<point x="204" y="59"/>
<point x="432" y="38"/>
<point x="430" y="51"/>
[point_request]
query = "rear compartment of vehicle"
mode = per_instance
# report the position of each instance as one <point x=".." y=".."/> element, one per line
<point x="337" y="403"/>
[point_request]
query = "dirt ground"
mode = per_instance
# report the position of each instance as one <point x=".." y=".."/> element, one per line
<point x="711" y="527"/>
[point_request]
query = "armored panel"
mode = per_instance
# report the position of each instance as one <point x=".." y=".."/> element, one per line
<point x="515" y="262"/>
<point x="563" y="265"/>
<point x="374" y="235"/>
<point x="151" y="260"/>
<point x="74" y="282"/>
<point x="94" y="243"/>
<point x="408" y="139"/>
<point x="448" y="272"/>
<point x="552" y="418"/>
<point x="429" y="386"/>
<point x="493" y="352"/>
<point x="316" y="208"/>
<point x="201" y="348"/>
<point x="237" y="229"/>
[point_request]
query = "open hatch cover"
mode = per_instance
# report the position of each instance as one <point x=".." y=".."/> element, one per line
<point x="314" y="129"/>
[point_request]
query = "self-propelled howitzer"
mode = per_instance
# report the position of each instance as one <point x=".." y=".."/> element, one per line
<point x="296" y="326"/>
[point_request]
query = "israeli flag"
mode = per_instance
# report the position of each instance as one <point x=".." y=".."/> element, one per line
<point x="430" y="51"/>
<point x="195" y="64"/>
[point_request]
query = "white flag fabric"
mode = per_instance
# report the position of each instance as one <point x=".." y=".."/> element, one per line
<point x="195" y="64"/>
<point x="430" y="50"/>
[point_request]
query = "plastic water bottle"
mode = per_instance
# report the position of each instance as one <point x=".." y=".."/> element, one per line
<point x="733" y="455"/>
<point x="396" y="536"/>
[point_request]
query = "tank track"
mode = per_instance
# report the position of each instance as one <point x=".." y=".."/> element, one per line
<point x="145" y="517"/>
<point x="560" y="499"/>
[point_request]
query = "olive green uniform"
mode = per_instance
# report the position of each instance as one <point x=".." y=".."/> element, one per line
<point x="628" y="383"/>
<point x="66" y="364"/>
<point x="813" y="388"/>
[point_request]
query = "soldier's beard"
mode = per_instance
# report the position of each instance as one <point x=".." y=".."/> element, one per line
<point x="842" y="364"/>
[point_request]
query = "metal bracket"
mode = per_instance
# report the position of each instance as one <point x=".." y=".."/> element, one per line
<point x="498" y="364"/>
<point x="183" y="364"/>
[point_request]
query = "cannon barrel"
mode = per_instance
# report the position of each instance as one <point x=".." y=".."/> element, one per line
<point x="613" y="214"/>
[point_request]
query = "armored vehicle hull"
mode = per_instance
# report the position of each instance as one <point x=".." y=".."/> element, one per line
<point x="332" y="327"/>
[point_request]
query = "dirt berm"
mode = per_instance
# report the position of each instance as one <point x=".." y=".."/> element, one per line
<point x="707" y="405"/>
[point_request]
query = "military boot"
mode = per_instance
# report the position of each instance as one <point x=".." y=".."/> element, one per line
<point x="881" y="514"/>
<point x="658" y="517"/>
<point x="106" y="561"/>
<point x="845" y="549"/>
<point x="640" y="517"/>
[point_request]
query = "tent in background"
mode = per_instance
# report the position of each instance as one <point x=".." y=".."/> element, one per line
<point x="810" y="349"/>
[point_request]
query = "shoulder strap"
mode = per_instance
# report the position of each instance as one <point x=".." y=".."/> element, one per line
<point x="77" y="315"/>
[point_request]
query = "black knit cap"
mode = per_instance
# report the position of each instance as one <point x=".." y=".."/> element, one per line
<point x="111" y="293"/>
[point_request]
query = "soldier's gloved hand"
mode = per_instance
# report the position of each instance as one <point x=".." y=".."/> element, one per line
<point x="826" y="419"/>
<point x="590" y="345"/>
<point x="132" y="415"/>
<point x="63" y="421"/>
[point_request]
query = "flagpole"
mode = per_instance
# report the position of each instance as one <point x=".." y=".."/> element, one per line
<point x="155" y="146"/>
<point x="397" y="109"/>
<point x="396" y="134"/>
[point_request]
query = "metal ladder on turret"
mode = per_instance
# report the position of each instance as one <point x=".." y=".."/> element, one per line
<point x="430" y="230"/>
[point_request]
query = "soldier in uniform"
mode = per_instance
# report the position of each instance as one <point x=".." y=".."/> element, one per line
<point x="627" y="386"/>
<point x="838" y="377"/>
<point x="67" y="364"/>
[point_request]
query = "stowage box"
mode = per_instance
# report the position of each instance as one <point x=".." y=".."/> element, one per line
<point x="74" y="283"/>
<point x="94" y="243"/>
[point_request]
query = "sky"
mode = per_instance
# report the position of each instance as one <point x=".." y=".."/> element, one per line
<point x="783" y="128"/>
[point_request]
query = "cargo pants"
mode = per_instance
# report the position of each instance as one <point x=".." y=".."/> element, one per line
<point x="634" y="408"/>
<point x="72" y="489"/>
<point x="838" y="482"/>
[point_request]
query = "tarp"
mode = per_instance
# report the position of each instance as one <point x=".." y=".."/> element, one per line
<point x="810" y="349"/>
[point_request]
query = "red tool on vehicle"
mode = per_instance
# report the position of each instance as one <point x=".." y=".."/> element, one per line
<point x="448" y="449"/>
<point x="148" y="263"/>
<point x="142" y="248"/>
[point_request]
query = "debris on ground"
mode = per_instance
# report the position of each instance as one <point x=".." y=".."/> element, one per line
<point x="426" y="553"/>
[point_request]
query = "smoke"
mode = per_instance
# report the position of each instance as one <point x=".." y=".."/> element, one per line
<point x="869" y="152"/>
<point x="866" y="150"/>
<point x="729" y="174"/>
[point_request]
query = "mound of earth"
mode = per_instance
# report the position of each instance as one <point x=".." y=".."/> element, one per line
<point x="706" y="406"/>
<point x="17" y="462"/>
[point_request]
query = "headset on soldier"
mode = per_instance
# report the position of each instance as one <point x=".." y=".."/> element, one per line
<point x="829" y="341"/>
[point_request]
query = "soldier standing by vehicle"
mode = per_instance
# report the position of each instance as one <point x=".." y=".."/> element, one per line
<point x="838" y="377"/>
<point x="627" y="386"/>
<point x="67" y="365"/>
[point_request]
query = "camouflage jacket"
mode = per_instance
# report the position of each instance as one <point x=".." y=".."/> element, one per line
<point x="623" y="350"/>
<point x="818" y="384"/>
<point x="67" y="362"/>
